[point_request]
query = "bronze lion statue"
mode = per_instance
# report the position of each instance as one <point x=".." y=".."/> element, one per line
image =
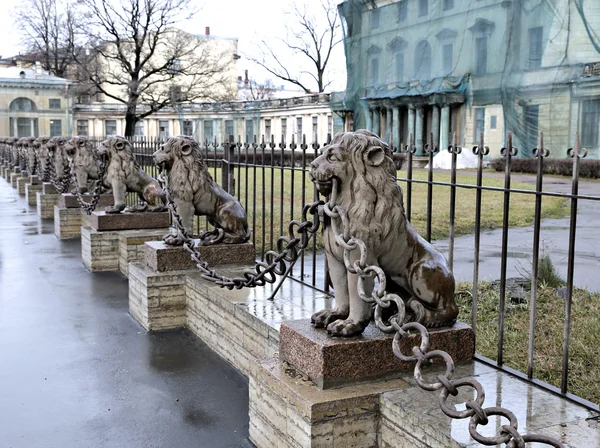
<point x="123" y="175"/>
<point x="85" y="163"/>
<point x="194" y="192"/>
<point x="56" y="148"/>
<point x="41" y="154"/>
<point x="32" y="161"/>
<point x="363" y="168"/>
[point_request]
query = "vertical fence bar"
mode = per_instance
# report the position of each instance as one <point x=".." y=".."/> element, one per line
<point x="316" y="147"/>
<point x="282" y="188"/>
<point x="430" y="150"/>
<point x="480" y="151"/>
<point x="508" y="153"/>
<point x="238" y="161"/>
<point x="304" y="147"/>
<point x="540" y="152"/>
<point x="454" y="150"/>
<point x="410" y="151"/>
<point x="263" y="197"/>
<point x="254" y="146"/>
<point x="247" y="185"/>
<point x="293" y="167"/>
<point x="576" y="153"/>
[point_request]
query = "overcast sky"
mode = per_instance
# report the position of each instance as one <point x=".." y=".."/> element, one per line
<point x="248" y="20"/>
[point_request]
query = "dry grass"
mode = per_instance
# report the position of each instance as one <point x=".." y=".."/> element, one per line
<point x="584" y="355"/>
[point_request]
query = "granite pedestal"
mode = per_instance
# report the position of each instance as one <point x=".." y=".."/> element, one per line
<point x="68" y="200"/>
<point x="68" y="222"/>
<point x="113" y="240"/>
<point x="46" y="199"/>
<point x="31" y="191"/>
<point x="16" y="174"/>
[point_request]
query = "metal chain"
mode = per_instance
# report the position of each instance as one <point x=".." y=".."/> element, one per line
<point x="288" y="250"/>
<point x="399" y="325"/>
<point x="48" y="169"/>
<point x="88" y="207"/>
<point x="62" y="186"/>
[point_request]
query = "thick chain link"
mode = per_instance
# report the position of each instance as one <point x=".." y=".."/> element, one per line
<point x="288" y="250"/>
<point x="62" y="186"/>
<point x="48" y="168"/>
<point x="88" y="207"/>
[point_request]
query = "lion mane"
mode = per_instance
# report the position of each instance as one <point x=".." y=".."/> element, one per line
<point x="85" y="161"/>
<point x="189" y="173"/>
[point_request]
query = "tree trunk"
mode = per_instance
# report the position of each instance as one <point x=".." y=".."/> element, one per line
<point x="130" y="120"/>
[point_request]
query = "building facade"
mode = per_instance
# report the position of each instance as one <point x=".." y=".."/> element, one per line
<point x="439" y="67"/>
<point x="34" y="103"/>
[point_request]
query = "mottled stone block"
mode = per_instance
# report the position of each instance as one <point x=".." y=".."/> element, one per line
<point x="68" y="200"/>
<point x="31" y="191"/>
<point x="334" y="362"/>
<point x="49" y="188"/>
<point x="21" y="183"/>
<point x="288" y="410"/>
<point x="131" y="246"/>
<point x="67" y="222"/>
<point x="99" y="250"/>
<point x="45" y="204"/>
<point x="129" y="221"/>
<point x="162" y="257"/>
<point x="14" y="176"/>
<point x="157" y="300"/>
<point x="35" y="180"/>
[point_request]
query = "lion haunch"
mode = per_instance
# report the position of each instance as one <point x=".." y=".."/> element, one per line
<point x="124" y="175"/>
<point x="363" y="169"/>
<point x="194" y="192"/>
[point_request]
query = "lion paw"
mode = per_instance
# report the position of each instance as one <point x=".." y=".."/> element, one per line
<point x="114" y="209"/>
<point x="346" y="328"/>
<point x="324" y="317"/>
<point x="173" y="240"/>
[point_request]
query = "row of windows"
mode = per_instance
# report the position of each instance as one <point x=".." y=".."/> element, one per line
<point x="402" y="11"/>
<point x="26" y="127"/>
<point x="23" y="104"/>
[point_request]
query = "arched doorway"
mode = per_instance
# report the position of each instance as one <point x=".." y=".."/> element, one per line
<point x="22" y="123"/>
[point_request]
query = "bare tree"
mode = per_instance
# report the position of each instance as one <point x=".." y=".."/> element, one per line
<point x="255" y="90"/>
<point x="144" y="62"/>
<point x="48" y="34"/>
<point x="311" y="36"/>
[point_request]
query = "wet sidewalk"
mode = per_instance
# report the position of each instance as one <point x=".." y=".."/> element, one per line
<point x="77" y="371"/>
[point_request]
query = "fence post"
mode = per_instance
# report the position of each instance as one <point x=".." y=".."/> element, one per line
<point x="228" y="171"/>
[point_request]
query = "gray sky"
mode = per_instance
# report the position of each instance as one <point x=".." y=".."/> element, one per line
<point x="248" y="20"/>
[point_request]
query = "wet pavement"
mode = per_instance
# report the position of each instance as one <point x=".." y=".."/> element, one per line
<point x="77" y="371"/>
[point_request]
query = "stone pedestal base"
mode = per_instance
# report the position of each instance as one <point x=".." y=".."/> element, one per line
<point x="13" y="178"/>
<point x="21" y="183"/>
<point x="68" y="200"/>
<point x="132" y="248"/>
<point x="68" y="222"/>
<point x="157" y="300"/>
<point x="161" y="257"/>
<point x="289" y="411"/>
<point x="31" y="191"/>
<point x="45" y="204"/>
<point x="335" y="362"/>
<point x="99" y="250"/>
<point x="129" y="221"/>
<point x="49" y="188"/>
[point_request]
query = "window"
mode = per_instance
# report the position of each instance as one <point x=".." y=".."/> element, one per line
<point x="448" y="56"/>
<point x="423" y="60"/>
<point x="315" y="129"/>
<point x="284" y="128"/>
<point x="423" y="7"/>
<point x="448" y="4"/>
<point x="54" y="103"/>
<point x="174" y="66"/>
<point x="535" y="47"/>
<point x="399" y="59"/>
<point x="374" y="67"/>
<point x="532" y="120"/>
<point x="479" y="122"/>
<point x="249" y="131"/>
<point x="55" y="128"/>
<point x="188" y="127"/>
<point x="23" y="127"/>
<point x="298" y="129"/>
<point x="481" y="55"/>
<point x="110" y="127"/>
<point x="229" y="129"/>
<point x="402" y="10"/>
<point x="163" y="129"/>
<point x="82" y="128"/>
<point x="22" y="105"/>
<point x="138" y="130"/>
<point x="268" y="130"/>
<point x="374" y="18"/>
<point x="590" y="121"/>
<point x="493" y="121"/>
<point x="208" y="131"/>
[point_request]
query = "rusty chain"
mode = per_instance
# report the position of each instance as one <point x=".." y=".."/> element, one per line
<point x="62" y="186"/>
<point x="288" y="248"/>
<point x="88" y="207"/>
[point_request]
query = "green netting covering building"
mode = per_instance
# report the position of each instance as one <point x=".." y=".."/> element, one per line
<point x="465" y="66"/>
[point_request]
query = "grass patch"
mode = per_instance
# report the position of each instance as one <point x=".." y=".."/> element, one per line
<point x="584" y="354"/>
<point x="263" y="186"/>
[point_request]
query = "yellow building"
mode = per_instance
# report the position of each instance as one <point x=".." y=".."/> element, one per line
<point x="34" y="103"/>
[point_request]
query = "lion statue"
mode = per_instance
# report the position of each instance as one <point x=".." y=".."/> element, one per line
<point x="363" y="168"/>
<point x="41" y="154"/>
<point x="22" y="145"/>
<point x="32" y="165"/>
<point x="194" y="192"/>
<point x="56" y="147"/>
<point x="14" y="152"/>
<point x="85" y="163"/>
<point x="123" y="175"/>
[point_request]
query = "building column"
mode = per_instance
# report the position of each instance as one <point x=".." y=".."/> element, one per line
<point x="388" y="126"/>
<point x="376" y="122"/>
<point x="411" y="125"/>
<point x="370" y="120"/>
<point x="419" y="119"/>
<point x="396" y="128"/>
<point x="435" y="127"/>
<point x="445" y="127"/>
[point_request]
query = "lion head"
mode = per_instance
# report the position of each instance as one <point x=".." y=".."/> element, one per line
<point x="56" y="145"/>
<point x="177" y="148"/>
<point x="121" y="159"/>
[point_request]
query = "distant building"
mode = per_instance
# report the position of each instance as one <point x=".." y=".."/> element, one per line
<point x="34" y="103"/>
<point x="447" y="66"/>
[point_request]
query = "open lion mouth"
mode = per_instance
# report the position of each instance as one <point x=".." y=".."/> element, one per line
<point x="324" y="186"/>
<point x="161" y="166"/>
